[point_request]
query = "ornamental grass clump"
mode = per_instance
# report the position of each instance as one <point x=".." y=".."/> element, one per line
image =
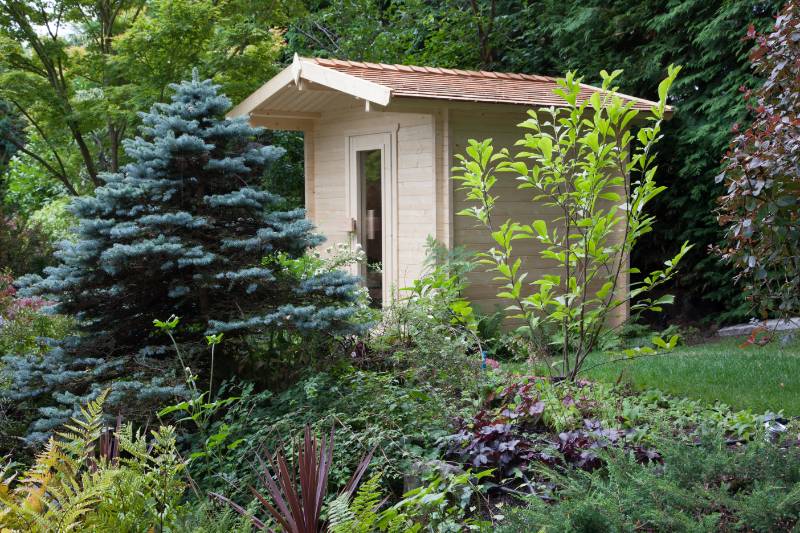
<point x="297" y="493"/>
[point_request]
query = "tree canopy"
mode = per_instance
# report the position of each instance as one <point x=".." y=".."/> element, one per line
<point x="94" y="65"/>
<point x="79" y="71"/>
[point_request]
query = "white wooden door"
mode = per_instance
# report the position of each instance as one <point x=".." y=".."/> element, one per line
<point x="372" y="206"/>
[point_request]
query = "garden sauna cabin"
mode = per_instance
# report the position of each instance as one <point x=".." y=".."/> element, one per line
<point x="379" y="146"/>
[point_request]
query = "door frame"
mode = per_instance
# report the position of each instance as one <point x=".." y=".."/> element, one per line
<point x="354" y="195"/>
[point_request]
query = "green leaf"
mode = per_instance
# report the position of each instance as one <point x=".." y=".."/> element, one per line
<point x="658" y="341"/>
<point x="183" y="406"/>
<point x="540" y="226"/>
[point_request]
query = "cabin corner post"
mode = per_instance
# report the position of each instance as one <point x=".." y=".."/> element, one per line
<point x="394" y="286"/>
<point x="309" y="164"/>
<point x="443" y="157"/>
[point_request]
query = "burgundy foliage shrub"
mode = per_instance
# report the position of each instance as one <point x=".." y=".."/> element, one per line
<point x="761" y="206"/>
<point x="10" y="305"/>
<point x="509" y="434"/>
<point x="24" y="247"/>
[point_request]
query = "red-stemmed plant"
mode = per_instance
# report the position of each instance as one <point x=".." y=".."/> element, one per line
<point x="297" y="508"/>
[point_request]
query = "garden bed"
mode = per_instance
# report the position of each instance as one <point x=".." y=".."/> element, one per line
<point x="592" y="457"/>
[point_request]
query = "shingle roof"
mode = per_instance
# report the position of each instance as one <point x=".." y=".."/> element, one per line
<point x="466" y="85"/>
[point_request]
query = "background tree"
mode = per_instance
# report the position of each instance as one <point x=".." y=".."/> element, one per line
<point x="237" y="43"/>
<point x="80" y="70"/>
<point x="452" y="33"/>
<point x="760" y="209"/>
<point x="59" y="80"/>
<point x="183" y="229"/>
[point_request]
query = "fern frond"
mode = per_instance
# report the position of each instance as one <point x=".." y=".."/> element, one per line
<point x="340" y="517"/>
<point x="361" y="516"/>
<point x="134" y="444"/>
<point x="67" y="490"/>
<point x="84" y="431"/>
<point x="81" y="503"/>
<point x="21" y="518"/>
<point x="368" y="497"/>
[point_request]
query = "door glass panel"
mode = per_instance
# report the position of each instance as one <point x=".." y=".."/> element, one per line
<point x="369" y="168"/>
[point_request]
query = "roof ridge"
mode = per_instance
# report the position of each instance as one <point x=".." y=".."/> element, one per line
<point x="327" y="62"/>
<point x="381" y="82"/>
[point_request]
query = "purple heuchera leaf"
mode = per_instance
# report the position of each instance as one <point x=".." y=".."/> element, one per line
<point x="536" y="409"/>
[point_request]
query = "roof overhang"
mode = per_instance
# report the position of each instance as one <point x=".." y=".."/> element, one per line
<point x="302" y="70"/>
<point x="297" y="96"/>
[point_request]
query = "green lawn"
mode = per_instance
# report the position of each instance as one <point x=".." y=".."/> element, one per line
<point x="755" y="378"/>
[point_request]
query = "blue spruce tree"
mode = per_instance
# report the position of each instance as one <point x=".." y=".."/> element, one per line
<point x="184" y="229"/>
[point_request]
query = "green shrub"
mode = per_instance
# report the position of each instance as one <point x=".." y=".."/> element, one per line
<point x="709" y="486"/>
<point x="25" y="248"/>
<point x="443" y="503"/>
<point x="29" y="331"/>
<point x="367" y="408"/>
<point x="431" y="337"/>
<point x="55" y="220"/>
<point x="582" y="161"/>
<point x="413" y="342"/>
<point x="528" y="423"/>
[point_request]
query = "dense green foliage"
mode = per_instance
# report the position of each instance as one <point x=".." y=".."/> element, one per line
<point x="554" y="36"/>
<point x="440" y="505"/>
<point x="24" y="245"/>
<point x="79" y="71"/>
<point x="367" y="408"/>
<point x="10" y="124"/>
<point x="183" y="229"/>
